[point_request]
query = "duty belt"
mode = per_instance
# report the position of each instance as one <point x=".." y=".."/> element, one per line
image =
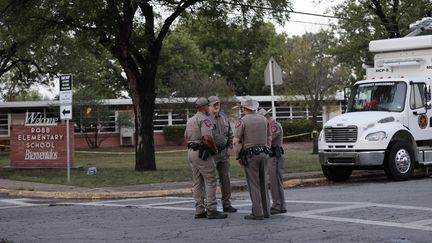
<point x="256" y="150"/>
<point x="193" y="146"/>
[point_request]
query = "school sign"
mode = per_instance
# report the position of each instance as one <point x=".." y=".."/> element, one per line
<point x="40" y="143"/>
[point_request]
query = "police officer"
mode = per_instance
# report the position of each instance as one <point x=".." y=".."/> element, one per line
<point x="252" y="136"/>
<point x="275" y="165"/>
<point x="201" y="145"/>
<point x="222" y="135"/>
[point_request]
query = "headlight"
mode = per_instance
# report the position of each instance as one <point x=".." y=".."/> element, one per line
<point x="376" y="136"/>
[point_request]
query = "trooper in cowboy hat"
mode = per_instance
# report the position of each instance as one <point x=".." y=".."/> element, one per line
<point x="251" y="139"/>
<point x="275" y="164"/>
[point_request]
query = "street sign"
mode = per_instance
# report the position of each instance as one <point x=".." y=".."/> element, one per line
<point x="65" y="97"/>
<point x="273" y="72"/>
<point x="65" y="112"/>
<point x="65" y="82"/>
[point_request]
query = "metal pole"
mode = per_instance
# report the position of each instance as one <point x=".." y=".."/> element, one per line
<point x="272" y="91"/>
<point x="67" y="151"/>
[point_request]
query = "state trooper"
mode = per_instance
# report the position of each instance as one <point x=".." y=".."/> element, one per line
<point x="275" y="165"/>
<point x="251" y="139"/>
<point x="222" y="135"/>
<point x="201" y="147"/>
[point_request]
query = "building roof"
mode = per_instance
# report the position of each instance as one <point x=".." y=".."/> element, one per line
<point x="173" y="100"/>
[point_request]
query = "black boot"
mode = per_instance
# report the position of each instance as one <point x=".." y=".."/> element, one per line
<point x="230" y="209"/>
<point x="216" y="215"/>
<point x="201" y="215"/>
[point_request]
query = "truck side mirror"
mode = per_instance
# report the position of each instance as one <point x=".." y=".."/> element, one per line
<point x="427" y="94"/>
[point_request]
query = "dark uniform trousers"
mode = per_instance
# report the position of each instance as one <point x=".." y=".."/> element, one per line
<point x="275" y="170"/>
<point x="223" y="168"/>
<point x="257" y="180"/>
<point x="204" y="182"/>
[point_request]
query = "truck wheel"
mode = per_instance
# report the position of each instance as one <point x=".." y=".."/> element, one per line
<point x="400" y="161"/>
<point x="336" y="173"/>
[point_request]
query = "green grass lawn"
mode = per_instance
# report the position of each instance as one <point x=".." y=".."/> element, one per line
<point x="115" y="167"/>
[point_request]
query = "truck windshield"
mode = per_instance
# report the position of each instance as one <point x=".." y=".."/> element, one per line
<point x="378" y="96"/>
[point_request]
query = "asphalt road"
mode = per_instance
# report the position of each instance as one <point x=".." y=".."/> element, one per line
<point x="373" y="210"/>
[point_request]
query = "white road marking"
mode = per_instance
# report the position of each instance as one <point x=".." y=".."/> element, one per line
<point x="18" y="203"/>
<point x="425" y="225"/>
<point x="334" y="209"/>
<point x="422" y="222"/>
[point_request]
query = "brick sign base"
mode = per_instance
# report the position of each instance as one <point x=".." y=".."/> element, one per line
<point x="40" y="146"/>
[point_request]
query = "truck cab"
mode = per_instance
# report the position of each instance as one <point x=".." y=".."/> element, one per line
<point x="388" y="121"/>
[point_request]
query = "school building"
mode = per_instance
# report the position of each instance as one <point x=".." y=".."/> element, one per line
<point x="111" y="130"/>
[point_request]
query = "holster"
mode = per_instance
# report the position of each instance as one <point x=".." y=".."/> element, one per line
<point x="204" y="151"/>
<point x="276" y="151"/>
<point x="244" y="157"/>
<point x="193" y="146"/>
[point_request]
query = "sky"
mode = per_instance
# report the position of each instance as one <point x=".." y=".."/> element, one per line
<point x="298" y="25"/>
<point x="301" y="23"/>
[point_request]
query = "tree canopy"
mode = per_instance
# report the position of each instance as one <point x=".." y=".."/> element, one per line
<point x="133" y="33"/>
<point x="364" y="20"/>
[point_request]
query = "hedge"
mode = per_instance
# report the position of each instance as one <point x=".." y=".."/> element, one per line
<point x="297" y="126"/>
<point x="174" y="133"/>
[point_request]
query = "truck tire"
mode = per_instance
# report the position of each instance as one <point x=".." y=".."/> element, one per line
<point x="336" y="173"/>
<point x="400" y="162"/>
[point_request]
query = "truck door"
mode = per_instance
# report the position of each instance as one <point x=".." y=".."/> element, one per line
<point x="419" y="115"/>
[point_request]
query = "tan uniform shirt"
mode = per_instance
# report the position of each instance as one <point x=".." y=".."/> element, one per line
<point x="277" y="133"/>
<point x="198" y="126"/>
<point x="252" y="130"/>
<point x="221" y="130"/>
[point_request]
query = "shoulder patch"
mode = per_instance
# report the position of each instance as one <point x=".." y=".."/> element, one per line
<point x="238" y="123"/>
<point x="208" y="123"/>
<point x="274" y="129"/>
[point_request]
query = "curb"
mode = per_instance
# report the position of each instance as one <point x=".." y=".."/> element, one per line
<point x="94" y="195"/>
<point x="141" y="194"/>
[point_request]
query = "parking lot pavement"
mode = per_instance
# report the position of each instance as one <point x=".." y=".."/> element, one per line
<point x="360" y="213"/>
<point x="376" y="210"/>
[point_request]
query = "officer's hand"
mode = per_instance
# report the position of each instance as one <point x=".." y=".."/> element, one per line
<point x="240" y="162"/>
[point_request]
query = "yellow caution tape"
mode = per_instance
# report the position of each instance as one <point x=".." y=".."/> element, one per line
<point x="312" y="134"/>
<point x="157" y="152"/>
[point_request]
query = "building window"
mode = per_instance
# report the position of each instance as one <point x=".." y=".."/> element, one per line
<point x="4" y="124"/>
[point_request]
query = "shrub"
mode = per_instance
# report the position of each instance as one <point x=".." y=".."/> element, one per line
<point x="4" y="145"/>
<point x="297" y="126"/>
<point x="174" y="133"/>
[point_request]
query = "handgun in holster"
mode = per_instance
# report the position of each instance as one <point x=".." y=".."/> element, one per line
<point x="276" y="151"/>
<point x="204" y="151"/>
<point x="243" y="157"/>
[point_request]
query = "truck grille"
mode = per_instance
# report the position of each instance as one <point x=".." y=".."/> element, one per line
<point x="340" y="134"/>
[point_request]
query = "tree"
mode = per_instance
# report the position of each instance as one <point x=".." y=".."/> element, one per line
<point x="362" y="21"/>
<point x="186" y="72"/>
<point x="311" y="72"/>
<point x="18" y="68"/>
<point x="92" y="116"/>
<point x="34" y="51"/>
<point x="129" y="30"/>
<point x="238" y="52"/>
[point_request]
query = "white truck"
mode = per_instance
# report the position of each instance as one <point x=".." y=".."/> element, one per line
<point x="388" y="121"/>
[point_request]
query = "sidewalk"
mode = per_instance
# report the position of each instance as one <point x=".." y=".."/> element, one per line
<point x="40" y="190"/>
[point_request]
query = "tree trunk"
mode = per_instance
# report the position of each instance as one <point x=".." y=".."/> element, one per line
<point x="315" y="136"/>
<point x="144" y="141"/>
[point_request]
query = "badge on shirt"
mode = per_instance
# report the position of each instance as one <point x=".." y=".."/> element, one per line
<point x="274" y="129"/>
<point x="238" y="123"/>
<point x="208" y="123"/>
